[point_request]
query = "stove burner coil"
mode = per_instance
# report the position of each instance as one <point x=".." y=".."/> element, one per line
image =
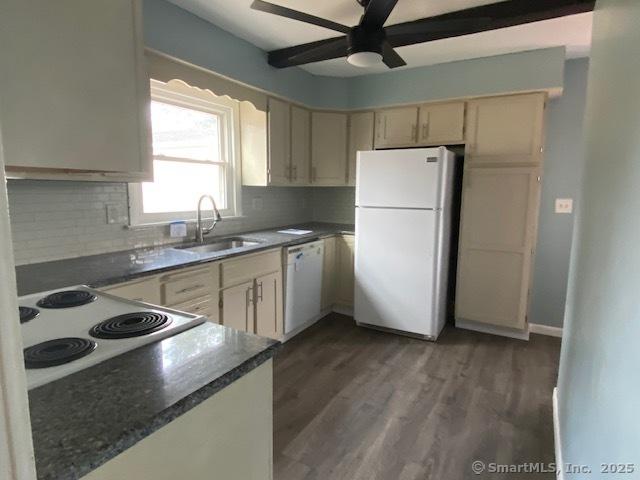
<point x="67" y="299"/>
<point x="130" y="325"/>
<point x="57" y="352"/>
<point x="28" y="313"/>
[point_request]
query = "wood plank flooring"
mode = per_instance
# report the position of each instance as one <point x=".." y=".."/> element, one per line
<point x="355" y="404"/>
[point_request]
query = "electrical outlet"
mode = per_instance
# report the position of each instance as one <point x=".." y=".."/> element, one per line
<point x="116" y="214"/>
<point x="564" y="205"/>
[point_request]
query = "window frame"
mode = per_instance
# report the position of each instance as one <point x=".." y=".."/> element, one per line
<point x="181" y="94"/>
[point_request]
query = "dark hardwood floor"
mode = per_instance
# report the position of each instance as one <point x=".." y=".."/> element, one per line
<point x="352" y="403"/>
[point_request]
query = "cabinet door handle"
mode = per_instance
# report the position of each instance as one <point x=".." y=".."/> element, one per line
<point x="260" y="291"/>
<point x="414" y="132"/>
<point x="190" y="289"/>
<point x="295" y="172"/>
<point x="249" y="297"/>
<point x="385" y="127"/>
<point x="425" y="131"/>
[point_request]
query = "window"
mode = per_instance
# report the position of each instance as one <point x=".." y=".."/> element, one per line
<point x="195" y="137"/>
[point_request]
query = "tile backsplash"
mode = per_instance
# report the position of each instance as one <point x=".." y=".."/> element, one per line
<point x="51" y="220"/>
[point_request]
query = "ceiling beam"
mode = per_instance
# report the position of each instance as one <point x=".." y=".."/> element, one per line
<point x="494" y="16"/>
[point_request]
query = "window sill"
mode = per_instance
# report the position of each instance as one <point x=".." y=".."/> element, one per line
<point x="142" y="226"/>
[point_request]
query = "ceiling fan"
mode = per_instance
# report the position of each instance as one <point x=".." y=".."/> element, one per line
<point x="369" y="42"/>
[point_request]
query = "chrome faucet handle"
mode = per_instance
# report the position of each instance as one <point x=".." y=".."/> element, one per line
<point x="200" y="230"/>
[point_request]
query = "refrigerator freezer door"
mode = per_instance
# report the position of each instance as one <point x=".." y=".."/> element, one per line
<point x="400" y="178"/>
<point x="396" y="269"/>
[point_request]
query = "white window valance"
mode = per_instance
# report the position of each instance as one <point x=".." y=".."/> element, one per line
<point x="165" y="68"/>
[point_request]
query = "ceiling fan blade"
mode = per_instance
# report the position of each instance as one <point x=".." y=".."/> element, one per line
<point x="309" y="52"/>
<point x="377" y="13"/>
<point x="429" y="25"/>
<point x="503" y="14"/>
<point x="390" y="57"/>
<point x="296" y="15"/>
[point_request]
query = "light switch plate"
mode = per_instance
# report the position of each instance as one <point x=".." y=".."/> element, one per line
<point x="116" y="214"/>
<point x="564" y="205"/>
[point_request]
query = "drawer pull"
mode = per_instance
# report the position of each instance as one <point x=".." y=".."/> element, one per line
<point x="189" y="289"/>
<point x="260" y="291"/>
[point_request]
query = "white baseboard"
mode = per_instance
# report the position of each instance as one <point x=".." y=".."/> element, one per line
<point x="556" y="435"/>
<point x="545" y="330"/>
<point x="492" y="330"/>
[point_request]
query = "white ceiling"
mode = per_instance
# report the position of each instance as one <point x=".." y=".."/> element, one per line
<point x="271" y="32"/>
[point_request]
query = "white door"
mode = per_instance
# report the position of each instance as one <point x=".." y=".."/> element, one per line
<point x="395" y="269"/>
<point x="399" y="178"/>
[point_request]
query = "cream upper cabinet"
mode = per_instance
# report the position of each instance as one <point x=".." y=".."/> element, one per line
<point x="279" y="142"/>
<point x="300" y="145"/>
<point x="396" y="127"/>
<point x="328" y="148"/>
<point x="345" y="262"/>
<point x="360" y="138"/>
<point x="441" y="124"/>
<point x="505" y="130"/>
<point x="497" y="234"/>
<point x="74" y="93"/>
<point x="253" y="145"/>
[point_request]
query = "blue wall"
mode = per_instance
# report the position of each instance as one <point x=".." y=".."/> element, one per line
<point x="563" y="164"/>
<point x="176" y="32"/>
<point x="181" y="34"/>
<point x="533" y="70"/>
<point x="599" y="382"/>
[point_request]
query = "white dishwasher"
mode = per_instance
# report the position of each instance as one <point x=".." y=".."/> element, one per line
<point x="303" y="300"/>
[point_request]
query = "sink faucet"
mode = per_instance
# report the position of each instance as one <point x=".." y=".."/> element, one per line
<point x="200" y="230"/>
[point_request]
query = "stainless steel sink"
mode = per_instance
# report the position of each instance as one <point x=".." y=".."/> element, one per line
<point x="218" y="245"/>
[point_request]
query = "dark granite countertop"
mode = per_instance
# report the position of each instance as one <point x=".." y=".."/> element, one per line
<point x="111" y="268"/>
<point x="83" y="420"/>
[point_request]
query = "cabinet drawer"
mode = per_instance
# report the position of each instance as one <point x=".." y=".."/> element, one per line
<point x="147" y="290"/>
<point x="182" y="287"/>
<point x="248" y="267"/>
<point x="206" y="306"/>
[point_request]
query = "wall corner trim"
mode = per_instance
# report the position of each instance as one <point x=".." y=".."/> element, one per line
<point x="545" y="330"/>
<point x="556" y="436"/>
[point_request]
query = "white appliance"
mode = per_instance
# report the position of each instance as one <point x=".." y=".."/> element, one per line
<point x="64" y="331"/>
<point x="403" y="225"/>
<point x="303" y="302"/>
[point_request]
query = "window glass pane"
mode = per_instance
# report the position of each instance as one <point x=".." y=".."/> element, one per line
<point x="177" y="186"/>
<point x="184" y="133"/>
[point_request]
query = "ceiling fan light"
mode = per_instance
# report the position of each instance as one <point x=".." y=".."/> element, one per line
<point x="364" y="59"/>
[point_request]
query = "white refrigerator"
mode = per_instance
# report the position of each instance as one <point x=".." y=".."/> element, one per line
<point x="403" y="230"/>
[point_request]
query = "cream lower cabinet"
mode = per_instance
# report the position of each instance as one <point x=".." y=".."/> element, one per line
<point x="228" y="436"/>
<point x="251" y="295"/>
<point x="498" y="232"/>
<point x="192" y="290"/>
<point x="143" y="290"/>
<point x="328" y="148"/>
<point x="329" y="273"/>
<point x="345" y="250"/>
<point x="237" y="306"/>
